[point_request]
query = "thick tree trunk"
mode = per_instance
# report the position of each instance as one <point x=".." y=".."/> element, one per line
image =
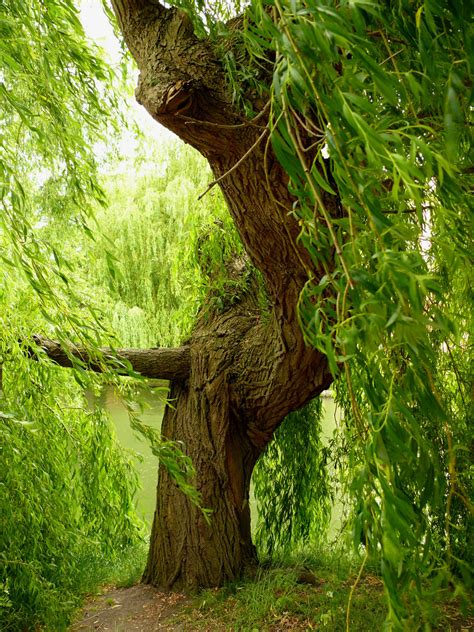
<point x="247" y="371"/>
<point x="239" y="389"/>
<point x="186" y="551"/>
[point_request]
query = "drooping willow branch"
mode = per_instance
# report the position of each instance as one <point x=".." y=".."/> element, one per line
<point x="162" y="363"/>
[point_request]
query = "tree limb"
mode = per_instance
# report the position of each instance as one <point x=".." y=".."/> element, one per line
<point x="161" y="363"/>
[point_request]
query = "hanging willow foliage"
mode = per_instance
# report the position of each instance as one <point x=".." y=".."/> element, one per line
<point x="66" y="487"/>
<point x="293" y="494"/>
<point x="370" y="106"/>
<point x="54" y="109"/>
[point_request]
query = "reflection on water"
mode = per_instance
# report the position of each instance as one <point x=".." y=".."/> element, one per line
<point x="152" y="401"/>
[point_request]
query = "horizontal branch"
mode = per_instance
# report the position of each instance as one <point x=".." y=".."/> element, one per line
<point x="162" y="363"/>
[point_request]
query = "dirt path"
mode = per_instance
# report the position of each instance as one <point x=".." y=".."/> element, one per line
<point x="136" y="609"/>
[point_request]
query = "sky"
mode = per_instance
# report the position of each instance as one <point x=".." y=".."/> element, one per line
<point x="99" y="30"/>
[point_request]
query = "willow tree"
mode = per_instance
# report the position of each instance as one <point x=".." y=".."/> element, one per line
<point x="241" y="371"/>
<point x="337" y="134"/>
<point x="369" y="135"/>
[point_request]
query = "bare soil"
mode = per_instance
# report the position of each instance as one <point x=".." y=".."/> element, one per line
<point x="134" y="609"/>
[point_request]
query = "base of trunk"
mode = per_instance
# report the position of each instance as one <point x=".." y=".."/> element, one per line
<point x="186" y="550"/>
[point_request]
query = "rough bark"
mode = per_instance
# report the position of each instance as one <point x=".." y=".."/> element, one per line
<point x="247" y="372"/>
<point x="238" y="392"/>
<point x="166" y="364"/>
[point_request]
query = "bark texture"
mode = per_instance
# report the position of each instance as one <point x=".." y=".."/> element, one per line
<point x="239" y="390"/>
<point x="246" y="371"/>
<point x="166" y="364"/>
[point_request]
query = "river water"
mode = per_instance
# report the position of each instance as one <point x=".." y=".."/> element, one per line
<point x="146" y="463"/>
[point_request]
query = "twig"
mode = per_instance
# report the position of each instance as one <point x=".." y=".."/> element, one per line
<point x="354" y="586"/>
<point x="192" y="121"/>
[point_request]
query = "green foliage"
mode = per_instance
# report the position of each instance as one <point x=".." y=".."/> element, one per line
<point x="52" y="115"/>
<point x="67" y="496"/>
<point x="169" y="251"/>
<point x="291" y="484"/>
<point x="67" y="489"/>
<point x="369" y="117"/>
<point x="122" y="568"/>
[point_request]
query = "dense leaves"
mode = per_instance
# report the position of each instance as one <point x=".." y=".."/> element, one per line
<point x="167" y="250"/>
<point x="66" y="488"/>
<point x="67" y="498"/>
<point x="370" y="120"/>
<point x="52" y="113"/>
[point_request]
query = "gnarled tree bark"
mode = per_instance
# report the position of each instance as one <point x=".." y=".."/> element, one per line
<point x="244" y="372"/>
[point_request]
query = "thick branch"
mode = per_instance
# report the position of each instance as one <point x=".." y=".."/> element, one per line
<point x="137" y="15"/>
<point x="166" y="364"/>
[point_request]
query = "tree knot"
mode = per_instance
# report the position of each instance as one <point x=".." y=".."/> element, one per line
<point x="178" y="99"/>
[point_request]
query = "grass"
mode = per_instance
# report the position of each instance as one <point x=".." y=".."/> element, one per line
<point x="121" y="570"/>
<point x="276" y="599"/>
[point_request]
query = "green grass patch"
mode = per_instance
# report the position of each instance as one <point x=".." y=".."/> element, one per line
<point x="310" y="593"/>
<point x="279" y="598"/>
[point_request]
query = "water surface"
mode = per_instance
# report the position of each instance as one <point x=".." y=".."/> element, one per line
<point x="147" y="464"/>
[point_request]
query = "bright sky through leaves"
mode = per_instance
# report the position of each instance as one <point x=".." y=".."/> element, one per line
<point x="99" y="30"/>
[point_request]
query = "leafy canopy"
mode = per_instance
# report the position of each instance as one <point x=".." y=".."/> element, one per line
<point x="370" y="118"/>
